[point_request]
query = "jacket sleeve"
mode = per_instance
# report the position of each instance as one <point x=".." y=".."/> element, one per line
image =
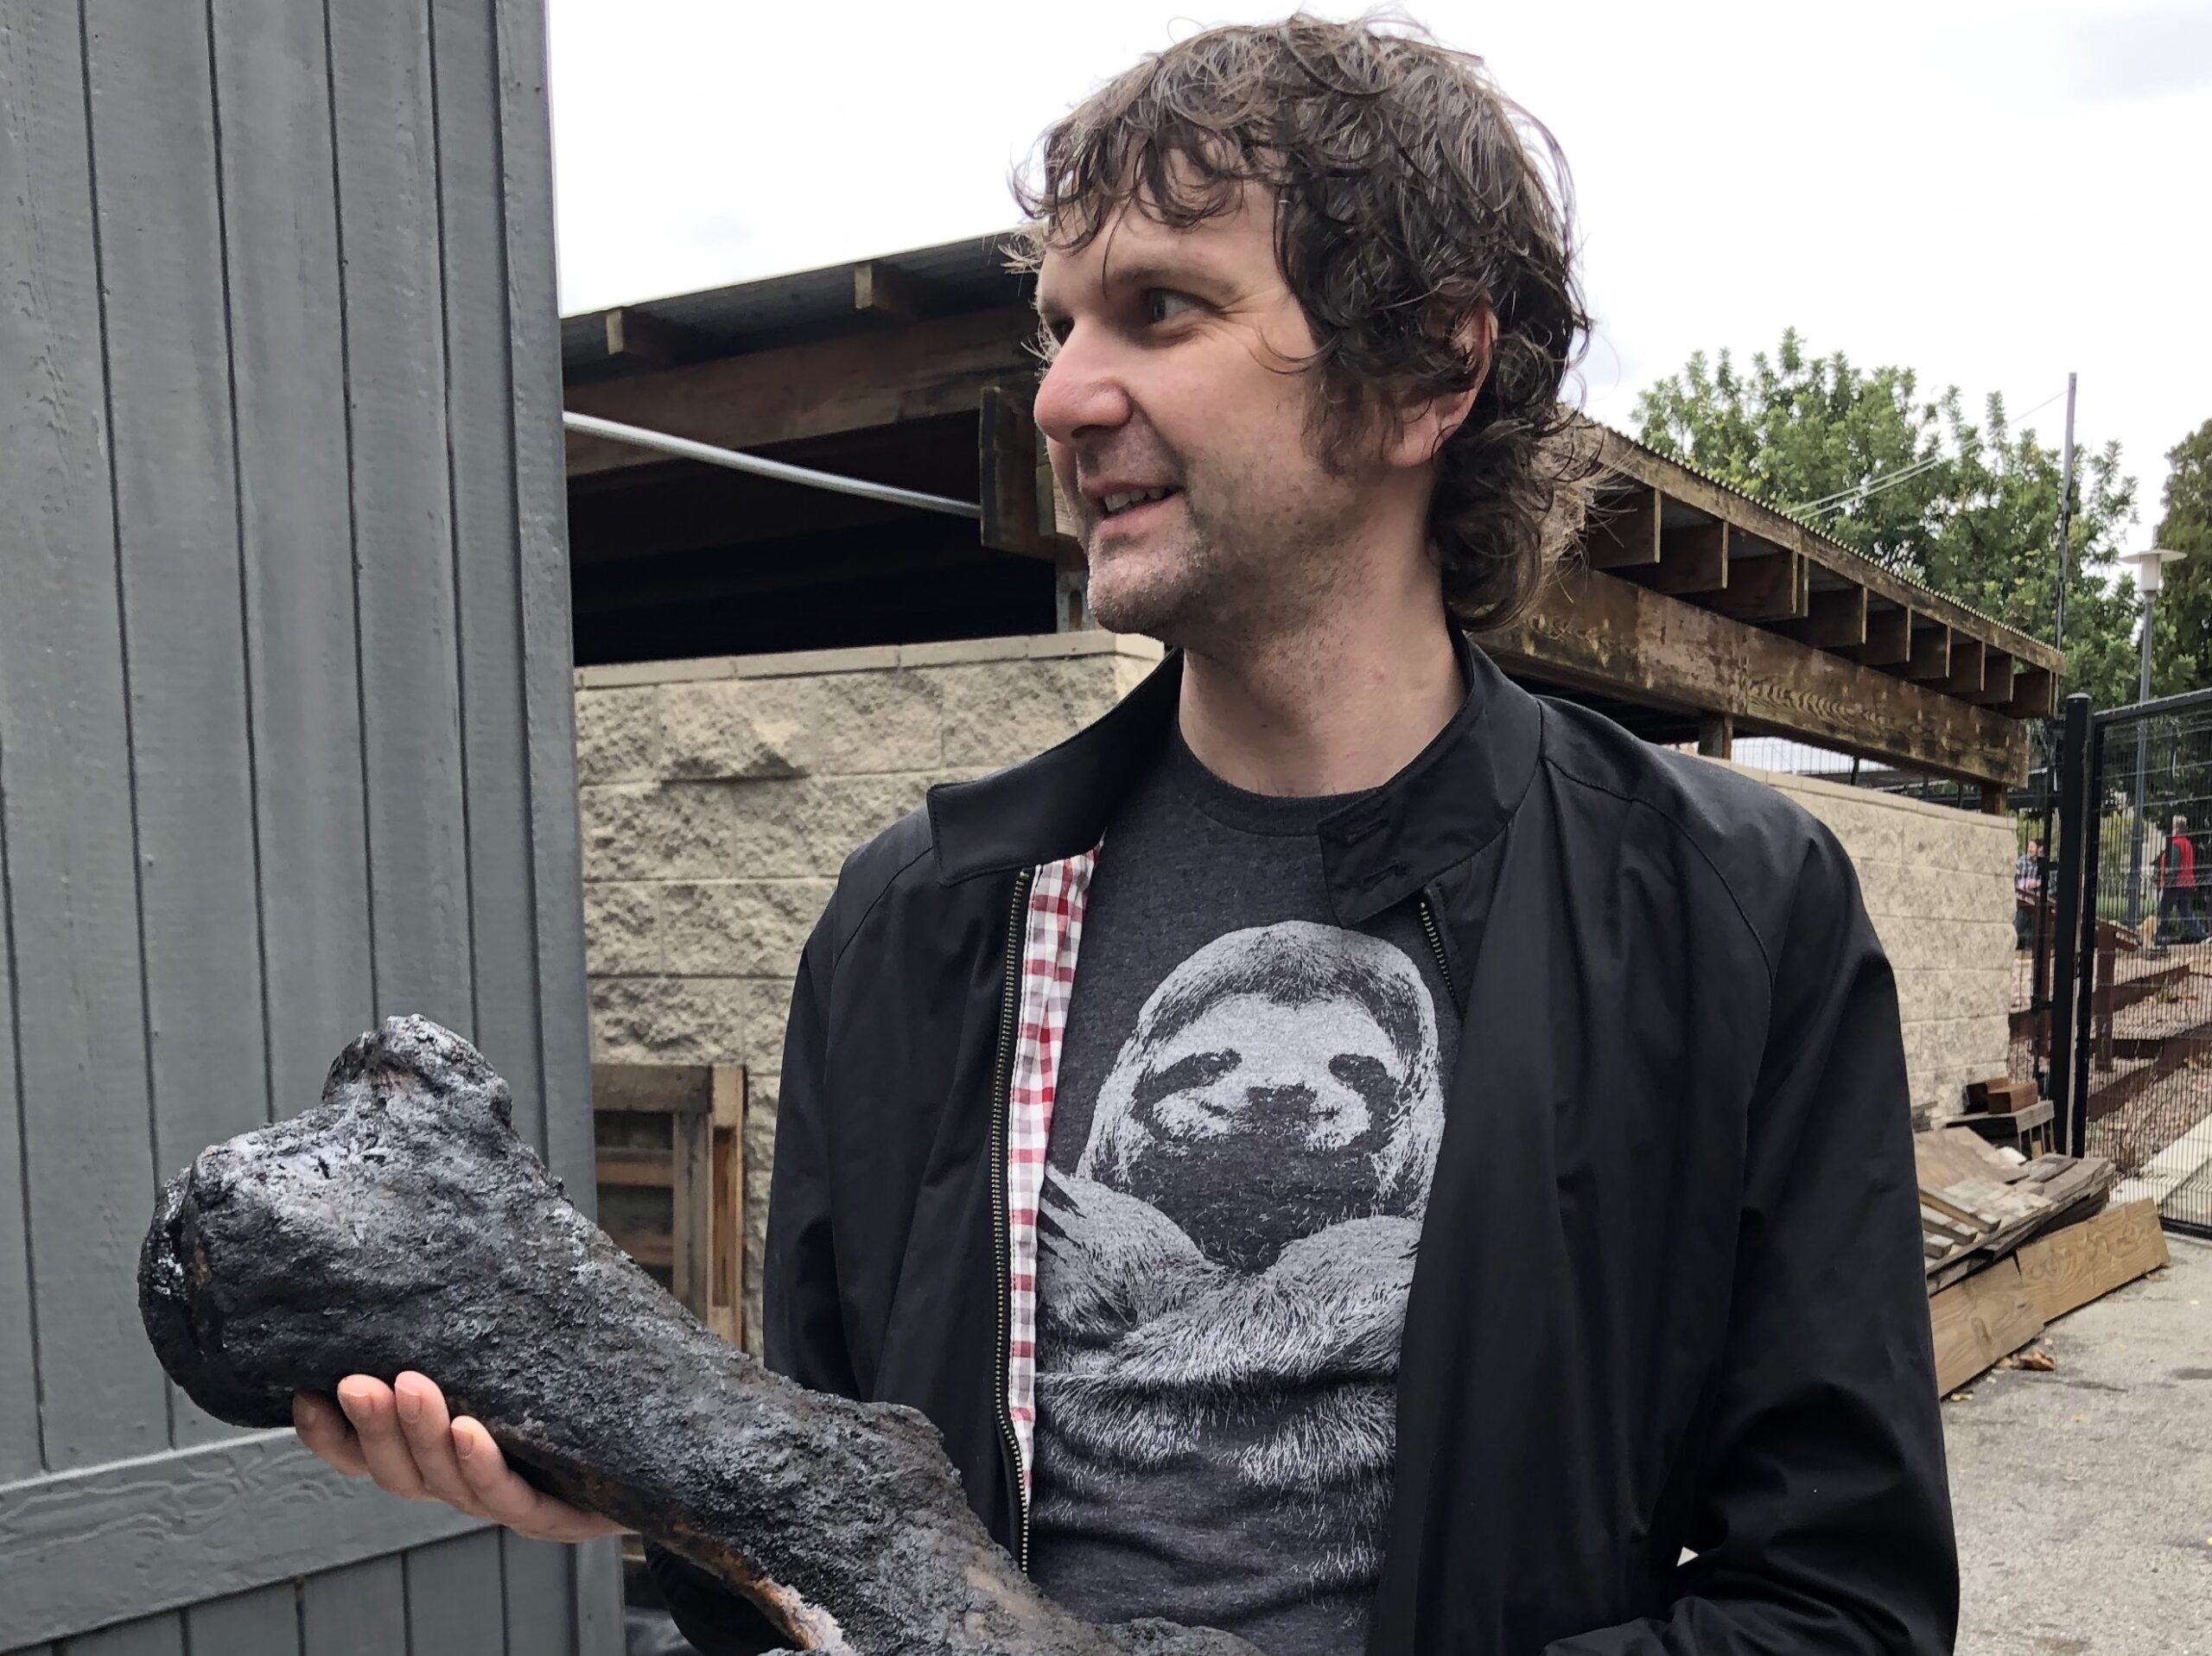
<point x="1821" y="1515"/>
<point x="803" y="1333"/>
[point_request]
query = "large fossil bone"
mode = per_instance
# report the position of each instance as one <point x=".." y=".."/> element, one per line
<point x="401" y="1224"/>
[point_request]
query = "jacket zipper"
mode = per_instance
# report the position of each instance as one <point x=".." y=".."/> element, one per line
<point x="1002" y="1104"/>
<point x="1436" y="946"/>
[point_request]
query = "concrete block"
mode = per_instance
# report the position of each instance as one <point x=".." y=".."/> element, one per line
<point x="1090" y="641"/>
<point x="868" y="658"/>
<point x="951" y="652"/>
<point x="1129" y="672"/>
<point x="653" y="672"/>
<point x="998" y="714"/>
<point x="1874" y="831"/>
<point x="667" y="1020"/>
<point x="809" y="827"/>
<point x="617" y="735"/>
<point x="767" y="1011"/>
<point x="658" y="830"/>
<point x="620" y="923"/>
<point x="753" y="928"/>
<point x="714" y="731"/>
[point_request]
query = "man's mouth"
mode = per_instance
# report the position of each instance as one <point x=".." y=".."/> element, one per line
<point x="1124" y="502"/>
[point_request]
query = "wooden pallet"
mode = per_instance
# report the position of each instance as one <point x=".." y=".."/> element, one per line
<point x="670" y="1146"/>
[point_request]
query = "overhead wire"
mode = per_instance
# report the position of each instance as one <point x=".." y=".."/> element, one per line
<point x="1871" y="486"/>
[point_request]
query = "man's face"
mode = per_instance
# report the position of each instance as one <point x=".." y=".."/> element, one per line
<point x="1177" y="371"/>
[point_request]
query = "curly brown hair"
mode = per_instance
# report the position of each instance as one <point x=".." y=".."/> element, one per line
<point x="1411" y="195"/>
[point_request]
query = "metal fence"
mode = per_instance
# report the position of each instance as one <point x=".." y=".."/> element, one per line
<point x="2140" y="1035"/>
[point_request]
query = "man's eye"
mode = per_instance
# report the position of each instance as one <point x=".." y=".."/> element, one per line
<point x="1164" y="304"/>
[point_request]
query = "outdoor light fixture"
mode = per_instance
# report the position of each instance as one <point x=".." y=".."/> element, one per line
<point x="2150" y="566"/>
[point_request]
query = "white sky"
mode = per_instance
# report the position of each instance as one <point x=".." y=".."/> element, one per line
<point x="1991" y="192"/>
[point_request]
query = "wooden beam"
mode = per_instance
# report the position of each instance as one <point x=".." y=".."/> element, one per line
<point x="2068" y="1268"/>
<point x="1716" y="736"/>
<point x="1932" y="654"/>
<point x="1967" y="660"/>
<point x="1835" y="620"/>
<point x="1601" y="634"/>
<point x="1888" y="638"/>
<point x="123" y="1539"/>
<point x="2034" y="693"/>
<point x="639" y="337"/>
<point x="1693" y="558"/>
<point x="1624" y="533"/>
<point x="809" y="391"/>
<point x="1006" y="449"/>
<point x="883" y="289"/>
<point x="1629" y="458"/>
<point x="1975" y="1321"/>
<point x="1770" y="588"/>
<point x="1996" y="689"/>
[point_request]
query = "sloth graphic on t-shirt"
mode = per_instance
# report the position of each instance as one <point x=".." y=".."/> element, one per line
<point x="1227" y="1265"/>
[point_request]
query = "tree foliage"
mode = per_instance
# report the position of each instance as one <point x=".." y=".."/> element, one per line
<point x="2181" y="654"/>
<point x="1966" y="506"/>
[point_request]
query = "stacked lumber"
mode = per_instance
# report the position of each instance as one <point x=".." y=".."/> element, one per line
<point x="2010" y="1242"/>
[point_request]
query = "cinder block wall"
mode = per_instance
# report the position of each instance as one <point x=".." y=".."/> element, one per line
<point x="1938" y="884"/>
<point x="720" y="797"/>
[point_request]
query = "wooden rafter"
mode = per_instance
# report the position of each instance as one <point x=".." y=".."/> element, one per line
<point x="1596" y="631"/>
<point x="809" y="391"/>
<point x="1631" y="460"/>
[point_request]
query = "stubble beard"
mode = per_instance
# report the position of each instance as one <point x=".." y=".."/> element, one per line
<point x="1242" y="571"/>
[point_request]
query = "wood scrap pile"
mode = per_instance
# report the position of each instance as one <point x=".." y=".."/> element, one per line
<point x="2011" y="1242"/>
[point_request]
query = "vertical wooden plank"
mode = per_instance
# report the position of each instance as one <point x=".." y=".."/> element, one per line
<point x="176" y="533"/>
<point x="541" y="517"/>
<point x="403" y="518"/>
<point x="156" y="1635"/>
<point x="80" y="1019"/>
<point x="18" y="1359"/>
<point x="726" y="1288"/>
<point x="598" y="1596"/>
<point x="288" y="355"/>
<point x="481" y="414"/>
<point x="359" y="1611"/>
<point x="548" y="662"/>
<point x="264" y="1623"/>
<point x="541" y="1614"/>
<point x="456" y="1604"/>
<point x="691" y="1203"/>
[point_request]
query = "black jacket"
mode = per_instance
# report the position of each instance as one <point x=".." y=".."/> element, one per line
<point x="1668" y="1292"/>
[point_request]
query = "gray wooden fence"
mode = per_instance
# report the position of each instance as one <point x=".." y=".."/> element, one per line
<point x="285" y="744"/>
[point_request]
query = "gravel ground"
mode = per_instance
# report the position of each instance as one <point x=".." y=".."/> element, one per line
<point x="2084" y="1495"/>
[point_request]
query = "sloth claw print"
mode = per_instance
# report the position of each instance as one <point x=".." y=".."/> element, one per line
<point x="1225" y="1239"/>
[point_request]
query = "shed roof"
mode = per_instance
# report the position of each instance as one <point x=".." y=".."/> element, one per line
<point x="1695" y="596"/>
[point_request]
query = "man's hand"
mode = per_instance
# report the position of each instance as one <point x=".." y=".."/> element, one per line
<point x="401" y="1436"/>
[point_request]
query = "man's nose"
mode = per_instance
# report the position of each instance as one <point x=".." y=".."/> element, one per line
<point x="1081" y="392"/>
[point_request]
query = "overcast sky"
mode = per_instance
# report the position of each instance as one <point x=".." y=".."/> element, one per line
<point x="1990" y="193"/>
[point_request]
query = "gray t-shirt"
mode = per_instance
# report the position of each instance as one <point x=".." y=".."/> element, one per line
<point x="1249" y="1102"/>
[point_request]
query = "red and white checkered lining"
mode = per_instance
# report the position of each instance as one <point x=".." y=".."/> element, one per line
<point x="1053" y="931"/>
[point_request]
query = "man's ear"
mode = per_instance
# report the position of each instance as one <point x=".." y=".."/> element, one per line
<point x="1426" y="425"/>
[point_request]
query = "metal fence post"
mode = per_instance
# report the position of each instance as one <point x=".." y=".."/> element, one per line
<point x="2067" y="1092"/>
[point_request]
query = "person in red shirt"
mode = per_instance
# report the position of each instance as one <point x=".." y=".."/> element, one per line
<point x="2177" y="887"/>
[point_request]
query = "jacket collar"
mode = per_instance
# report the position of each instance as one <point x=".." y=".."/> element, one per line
<point x="1450" y="800"/>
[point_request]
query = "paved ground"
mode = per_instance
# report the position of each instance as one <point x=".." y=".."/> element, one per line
<point x="2084" y="1495"/>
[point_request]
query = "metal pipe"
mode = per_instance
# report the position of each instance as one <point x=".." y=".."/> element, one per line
<point x="2138" y="847"/>
<point x="781" y="471"/>
<point x="2065" y="521"/>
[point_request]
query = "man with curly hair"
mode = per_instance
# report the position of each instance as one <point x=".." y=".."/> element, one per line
<point x="1343" y="1150"/>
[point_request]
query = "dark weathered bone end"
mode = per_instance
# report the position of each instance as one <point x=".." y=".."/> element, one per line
<point x="401" y="1224"/>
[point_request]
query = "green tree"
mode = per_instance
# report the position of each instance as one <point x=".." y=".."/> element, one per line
<point x="2181" y="654"/>
<point x="1968" y="507"/>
